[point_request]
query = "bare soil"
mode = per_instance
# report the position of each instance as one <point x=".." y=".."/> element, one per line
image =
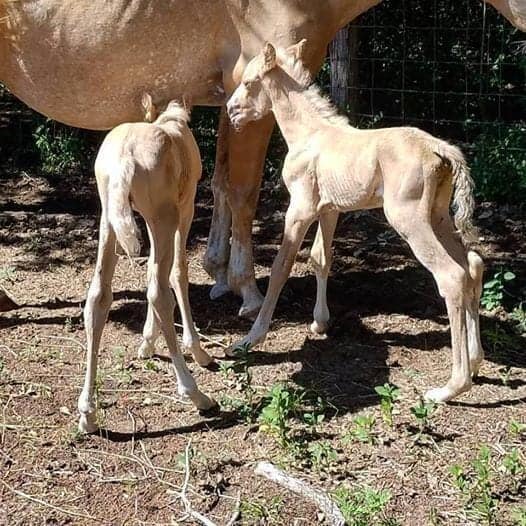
<point x="389" y="325"/>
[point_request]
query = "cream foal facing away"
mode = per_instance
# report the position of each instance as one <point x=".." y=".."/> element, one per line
<point x="156" y="167"/>
<point x="332" y="167"/>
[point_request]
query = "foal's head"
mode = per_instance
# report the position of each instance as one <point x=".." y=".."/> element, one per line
<point x="250" y="101"/>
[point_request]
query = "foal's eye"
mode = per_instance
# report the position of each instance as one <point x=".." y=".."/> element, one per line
<point x="248" y="84"/>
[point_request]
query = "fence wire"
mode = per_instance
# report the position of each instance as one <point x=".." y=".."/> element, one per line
<point x="454" y="68"/>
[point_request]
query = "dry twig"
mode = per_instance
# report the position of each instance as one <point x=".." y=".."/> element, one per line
<point x="300" y="487"/>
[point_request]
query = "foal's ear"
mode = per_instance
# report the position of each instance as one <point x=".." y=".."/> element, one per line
<point x="269" y="55"/>
<point x="150" y="112"/>
<point x="297" y="49"/>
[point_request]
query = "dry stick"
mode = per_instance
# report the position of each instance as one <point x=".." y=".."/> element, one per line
<point x="237" y="511"/>
<point x="324" y="503"/>
<point x="47" y="504"/>
<point x="182" y="495"/>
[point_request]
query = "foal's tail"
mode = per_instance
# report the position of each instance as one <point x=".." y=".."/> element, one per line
<point x="463" y="194"/>
<point x="120" y="214"/>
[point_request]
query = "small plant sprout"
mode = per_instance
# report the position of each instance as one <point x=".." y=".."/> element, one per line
<point x="315" y="416"/>
<point x="513" y="465"/>
<point x="505" y="373"/>
<point x="423" y="411"/>
<point x="494" y="289"/>
<point x="388" y="394"/>
<point x="516" y="429"/>
<point x="362" y="430"/>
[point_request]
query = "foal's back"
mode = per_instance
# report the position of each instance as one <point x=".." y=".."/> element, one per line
<point x="159" y="164"/>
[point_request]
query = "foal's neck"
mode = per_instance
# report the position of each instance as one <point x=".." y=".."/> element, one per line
<point x="300" y="111"/>
<point x="296" y="117"/>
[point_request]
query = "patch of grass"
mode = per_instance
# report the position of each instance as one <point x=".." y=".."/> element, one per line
<point x="239" y="376"/>
<point x="362" y="430"/>
<point x="363" y="506"/>
<point x="322" y="454"/>
<point x="388" y="394"/>
<point x="477" y="483"/>
<point x="260" y="511"/>
<point x="516" y="429"/>
<point x="8" y="274"/>
<point x="122" y="371"/>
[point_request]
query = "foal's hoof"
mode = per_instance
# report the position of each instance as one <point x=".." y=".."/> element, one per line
<point x="218" y="290"/>
<point x="319" y="327"/>
<point x="201" y="357"/>
<point x="88" y="424"/>
<point x="212" y="410"/>
<point x="146" y="350"/>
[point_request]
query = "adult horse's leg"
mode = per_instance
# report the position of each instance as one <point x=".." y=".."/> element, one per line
<point x="247" y="150"/>
<point x="218" y="247"/>
<point x="238" y="179"/>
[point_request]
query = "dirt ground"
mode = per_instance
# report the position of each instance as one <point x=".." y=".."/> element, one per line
<point x="389" y="325"/>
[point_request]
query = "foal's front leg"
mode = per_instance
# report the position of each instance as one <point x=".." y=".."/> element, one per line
<point x="300" y="215"/>
<point x="321" y="259"/>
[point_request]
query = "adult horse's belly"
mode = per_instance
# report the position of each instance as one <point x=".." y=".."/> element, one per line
<point x="88" y="63"/>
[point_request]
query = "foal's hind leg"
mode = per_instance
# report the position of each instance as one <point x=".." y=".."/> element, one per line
<point x="96" y="310"/>
<point x="151" y="330"/>
<point x="160" y="296"/>
<point x="413" y="225"/>
<point x="321" y="258"/>
<point x="472" y="262"/>
<point x="179" y="282"/>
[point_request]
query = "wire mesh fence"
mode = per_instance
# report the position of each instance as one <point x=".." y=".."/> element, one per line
<point x="455" y="69"/>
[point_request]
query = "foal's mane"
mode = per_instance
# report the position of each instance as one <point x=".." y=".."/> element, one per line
<point x="317" y="101"/>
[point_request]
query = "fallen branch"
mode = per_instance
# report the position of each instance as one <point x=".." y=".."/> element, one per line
<point x="182" y="495"/>
<point x="323" y="502"/>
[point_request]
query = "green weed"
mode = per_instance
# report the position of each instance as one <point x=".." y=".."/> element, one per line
<point x="422" y="412"/>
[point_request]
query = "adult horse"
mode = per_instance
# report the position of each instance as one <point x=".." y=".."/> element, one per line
<point x="87" y="64"/>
